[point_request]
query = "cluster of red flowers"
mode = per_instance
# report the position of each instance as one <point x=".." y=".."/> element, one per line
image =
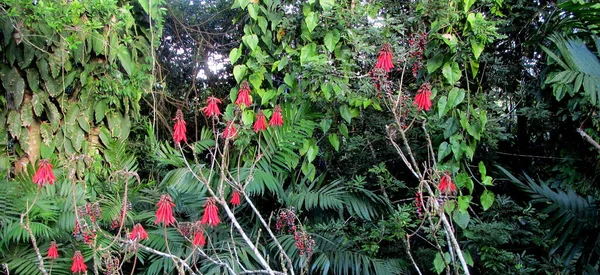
<point x="179" y="128"/>
<point x="211" y="213"/>
<point x="423" y="97"/>
<point x="235" y="198"/>
<point x="199" y="239"/>
<point x="230" y="131"/>
<point x="164" y="213"/>
<point x="382" y="68"/>
<point x="244" y="99"/>
<point x="92" y="211"/>
<point x="78" y="263"/>
<point x="212" y="109"/>
<point x="44" y="174"/>
<point x="446" y="185"/>
<point x="111" y="265"/>
<point x="53" y="251"/>
<point x="138" y="233"/>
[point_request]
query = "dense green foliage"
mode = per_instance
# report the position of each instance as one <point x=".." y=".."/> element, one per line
<point x="358" y="164"/>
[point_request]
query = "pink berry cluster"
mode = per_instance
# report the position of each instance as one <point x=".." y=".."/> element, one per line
<point x="286" y="219"/>
<point x="92" y="211"/>
<point x="111" y="265"/>
<point x="82" y="232"/>
<point x="419" y="204"/>
<point x="417" y="43"/>
<point x="304" y="243"/>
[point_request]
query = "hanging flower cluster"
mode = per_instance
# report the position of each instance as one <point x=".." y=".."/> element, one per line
<point x="44" y="174"/>
<point x="244" y="99"/>
<point x="235" y="198"/>
<point x="261" y="122"/>
<point x="179" y="128"/>
<point x="384" y="61"/>
<point x="199" y="239"/>
<point x="211" y="213"/>
<point x="212" y="109"/>
<point x="164" y="213"/>
<point x="423" y="97"/>
<point x="276" y="118"/>
<point x="446" y="185"/>
<point x="419" y="204"/>
<point x="138" y="233"/>
<point x="230" y="131"/>
<point x="78" y="263"/>
<point x="53" y="251"/>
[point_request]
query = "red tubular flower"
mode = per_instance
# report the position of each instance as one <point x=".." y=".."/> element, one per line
<point x="212" y="109"/>
<point x="53" y="251"/>
<point x="384" y="61"/>
<point x="230" y="131"/>
<point x="235" y="198"/>
<point x="446" y="185"/>
<point x="276" y="118"/>
<point x="179" y="128"/>
<point x="44" y="174"/>
<point x="199" y="239"/>
<point x="165" y="210"/>
<point x="211" y="213"/>
<point x="244" y="95"/>
<point x="261" y="122"/>
<point x="138" y="233"/>
<point x="423" y="97"/>
<point x="78" y="264"/>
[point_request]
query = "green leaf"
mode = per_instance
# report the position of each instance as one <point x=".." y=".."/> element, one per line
<point x="251" y="40"/>
<point x="462" y="219"/>
<point x="477" y="48"/>
<point x="14" y="123"/>
<point x="442" y="106"/>
<point x="438" y="263"/>
<point x="125" y="59"/>
<point x="331" y="39"/>
<point x="450" y="40"/>
<point x="309" y="170"/>
<point x="335" y="141"/>
<point x="37" y="100"/>
<point x="325" y="124"/>
<point x="15" y="85"/>
<point x="283" y="62"/>
<point x="487" y="199"/>
<point x="343" y="129"/>
<point x="234" y="55"/>
<point x="463" y="203"/>
<point x="239" y="72"/>
<point x="256" y="80"/>
<point x="482" y="169"/>
<point x="27" y="115"/>
<point x="327" y="4"/>
<point x="467" y="4"/>
<point x="312" y="152"/>
<point x="248" y="117"/>
<point x="307" y="52"/>
<point x="455" y="97"/>
<point x="451" y="72"/>
<point x="345" y="113"/>
<point x="474" y="67"/>
<point x="434" y="63"/>
<point x="487" y="180"/>
<point x="443" y="151"/>
<point x="252" y="11"/>
<point x="312" y="20"/>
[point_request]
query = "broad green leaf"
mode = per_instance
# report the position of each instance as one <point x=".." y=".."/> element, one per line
<point x="467" y="4"/>
<point x="309" y="170"/>
<point x="307" y="52"/>
<point x="312" y="20"/>
<point x="463" y="203"/>
<point x="455" y="97"/>
<point x="482" y="169"/>
<point x="125" y="59"/>
<point x="331" y="39"/>
<point x="37" y="100"/>
<point x="487" y="180"/>
<point x="462" y="219"/>
<point x="248" y="117"/>
<point x="14" y="123"/>
<point x="343" y="129"/>
<point x="253" y="11"/>
<point x="443" y="151"/>
<point x="325" y="124"/>
<point x="345" y="113"/>
<point x="243" y="3"/>
<point x="438" y="263"/>
<point x="239" y="72"/>
<point x="327" y="4"/>
<point x="100" y="110"/>
<point x="487" y="199"/>
<point x="256" y="80"/>
<point x="434" y="63"/>
<point x="33" y="80"/>
<point x="15" y="85"/>
<point x="283" y="62"/>
<point x="477" y="48"/>
<point x="27" y="115"/>
<point x="234" y="55"/>
<point x="450" y="40"/>
<point x="442" y="106"/>
<point x="451" y="72"/>
<point x="251" y="40"/>
<point x="335" y="141"/>
<point x="263" y="24"/>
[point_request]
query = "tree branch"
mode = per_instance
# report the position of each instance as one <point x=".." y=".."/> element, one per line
<point x="589" y="139"/>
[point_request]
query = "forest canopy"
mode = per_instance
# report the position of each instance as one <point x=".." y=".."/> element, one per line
<point x="299" y="137"/>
